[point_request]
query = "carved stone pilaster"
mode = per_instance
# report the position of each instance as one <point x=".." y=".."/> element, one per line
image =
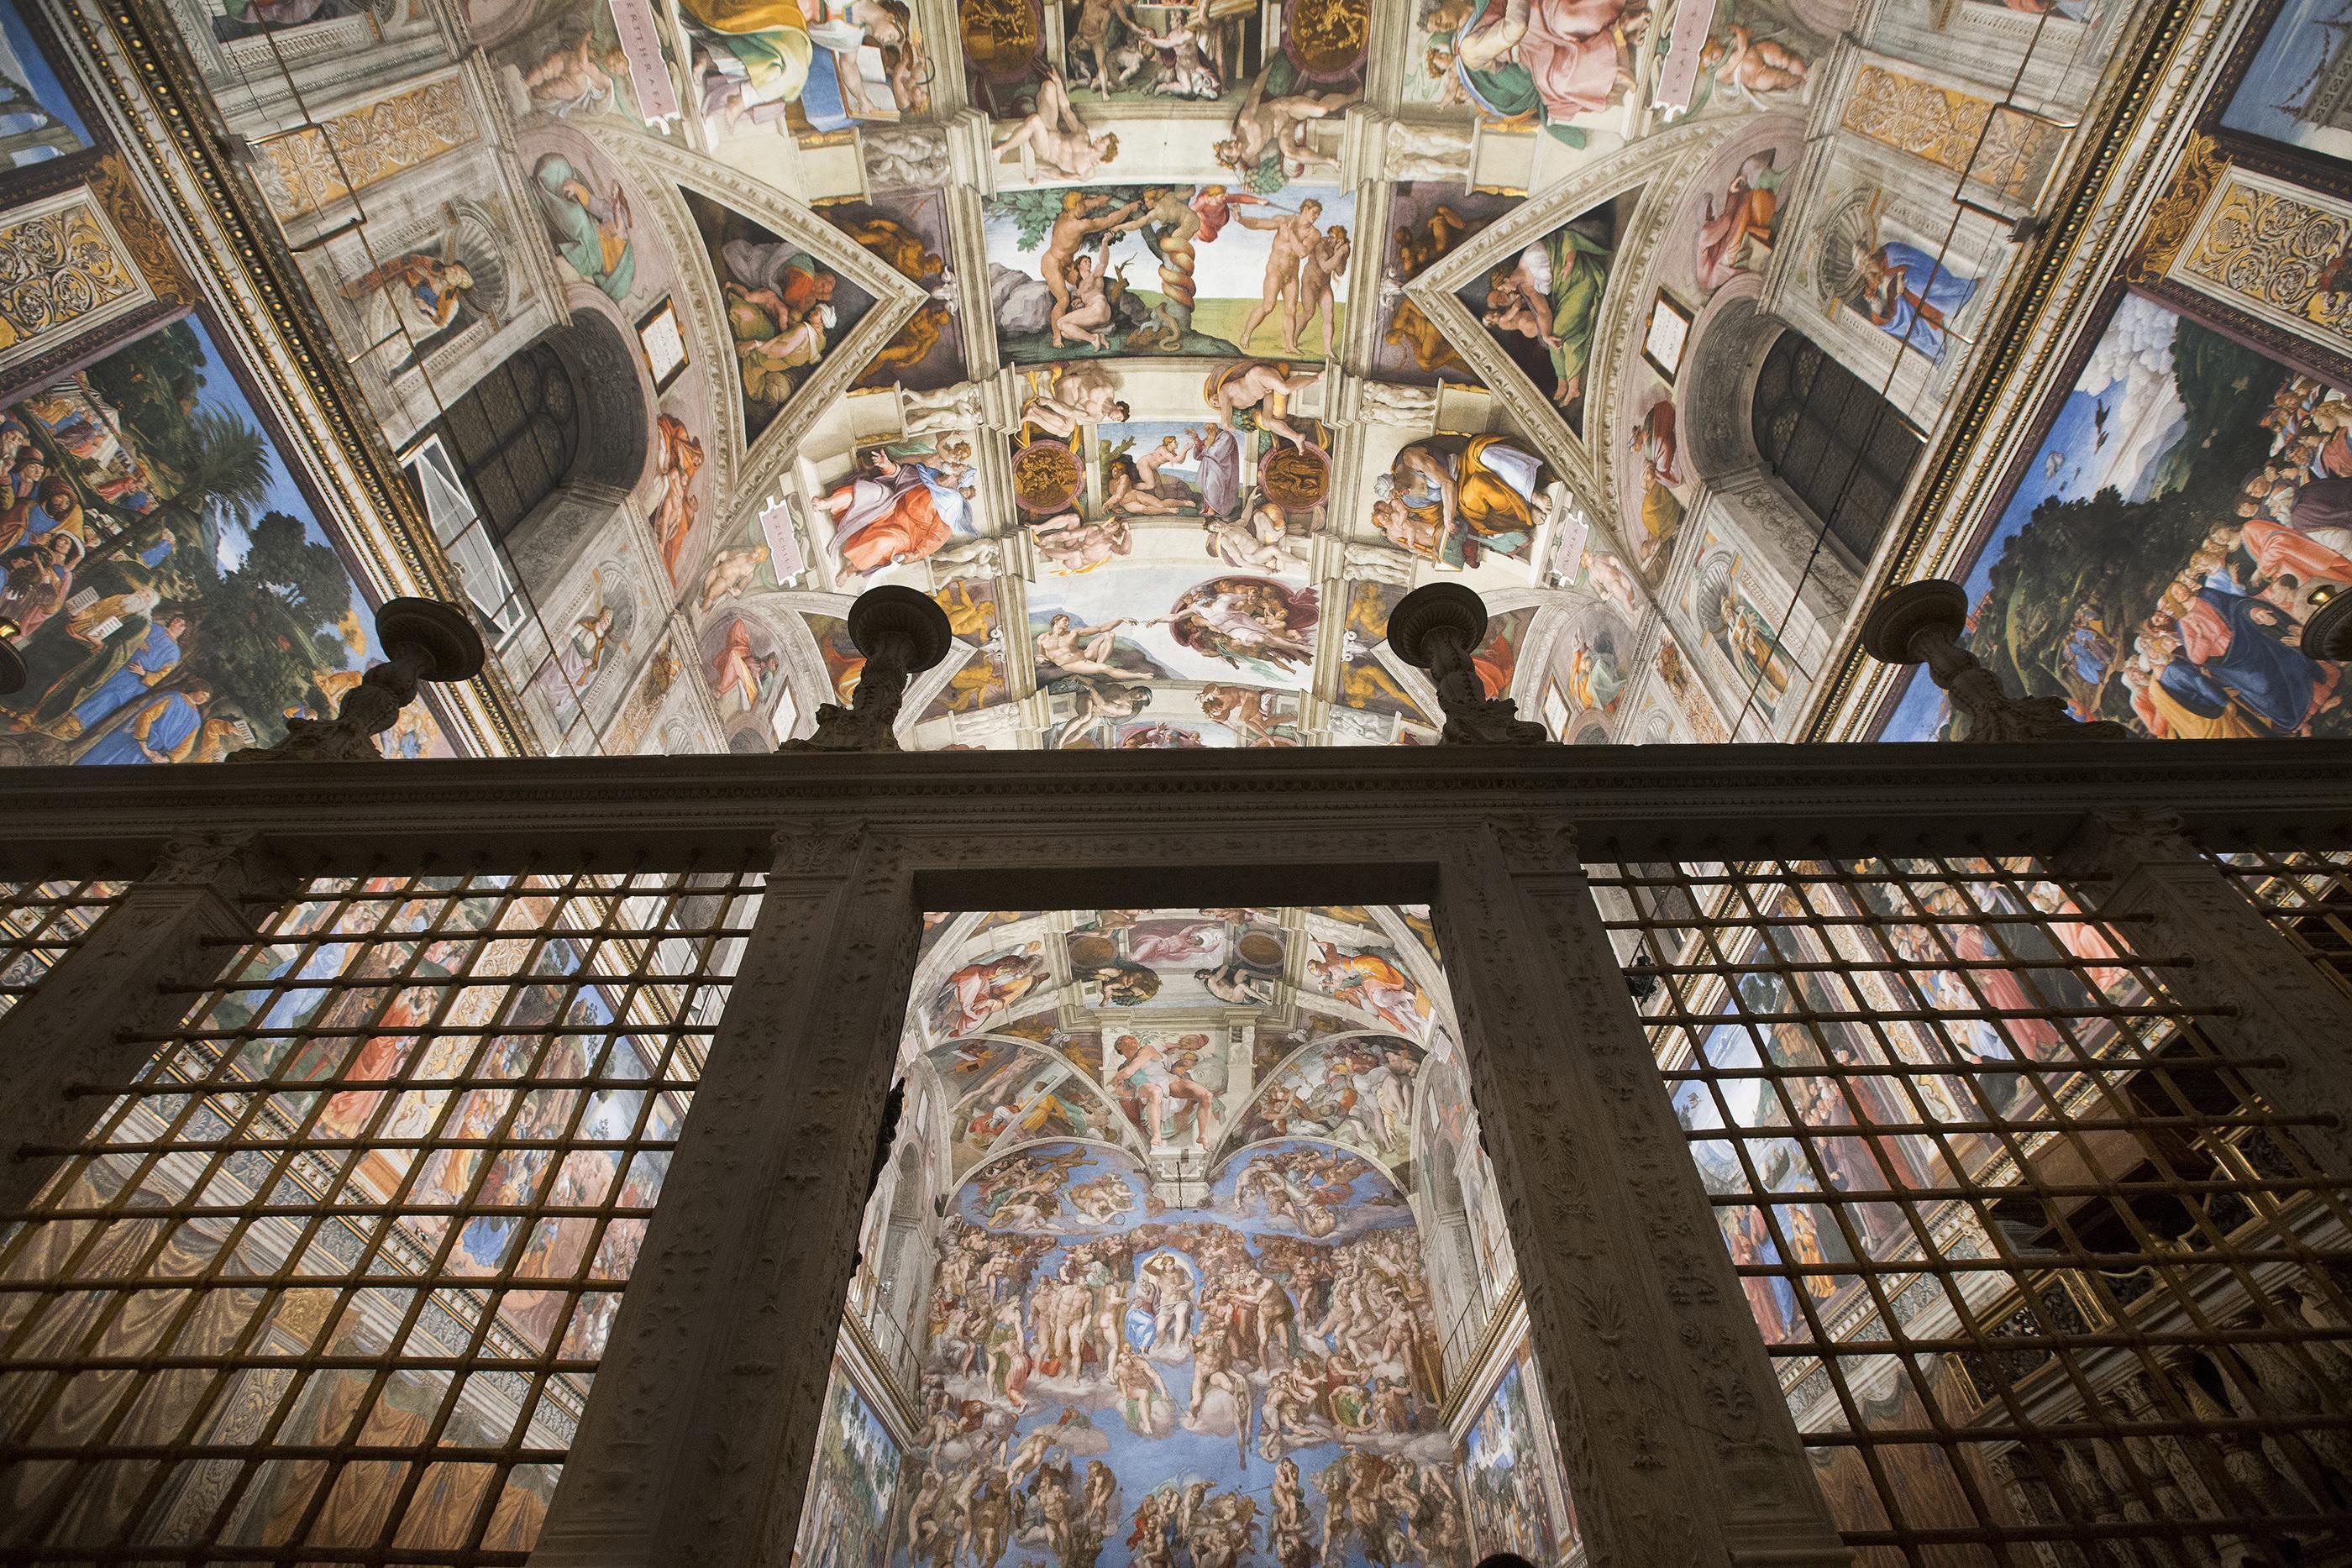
<point x="2164" y="1464"/>
<point x="2031" y="1500"/>
<point x="2272" y="1379"/>
<point x="2306" y="1299"/>
<point x="92" y="1019"/>
<point x="2271" y="1002"/>
<point x="2261" y="1490"/>
<point x="695" y="1446"/>
<point x="1679" y="1447"/>
<point x="234" y="862"/>
<point x="2091" y="1494"/>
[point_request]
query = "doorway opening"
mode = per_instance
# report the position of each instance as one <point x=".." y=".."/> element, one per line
<point x="1186" y="1255"/>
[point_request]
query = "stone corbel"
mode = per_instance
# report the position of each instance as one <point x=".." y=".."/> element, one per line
<point x="1360" y="145"/>
<point x="238" y="863"/>
<point x="95" y="1018"/>
<point x="1020" y="554"/>
<point x="2265" y="997"/>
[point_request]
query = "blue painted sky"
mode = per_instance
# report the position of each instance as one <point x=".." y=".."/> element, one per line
<point x="28" y="66"/>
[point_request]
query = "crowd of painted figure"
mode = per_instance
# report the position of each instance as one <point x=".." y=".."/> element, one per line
<point x="1021" y="1496"/>
<point x="1291" y="1344"/>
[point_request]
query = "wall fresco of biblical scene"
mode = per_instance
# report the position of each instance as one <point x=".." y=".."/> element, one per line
<point x="2160" y="548"/>
<point x="1114" y="1381"/>
<point x="175" y="595"/>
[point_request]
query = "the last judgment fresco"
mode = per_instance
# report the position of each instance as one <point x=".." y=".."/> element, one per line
<point x="1252" y="1378"/>
<point x="1176" y="1264"/>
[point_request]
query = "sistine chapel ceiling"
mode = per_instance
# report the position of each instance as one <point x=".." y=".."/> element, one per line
<point x="1169" y="345"/>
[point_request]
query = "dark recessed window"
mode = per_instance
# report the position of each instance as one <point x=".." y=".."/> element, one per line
<point x="1832" y="440"/>
<point x="515" y="435"/>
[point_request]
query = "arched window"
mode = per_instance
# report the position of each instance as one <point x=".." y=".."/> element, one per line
<point x="902" y="1279"/>
<point x="1832" y="440"/>
<point x="516" y="434"/>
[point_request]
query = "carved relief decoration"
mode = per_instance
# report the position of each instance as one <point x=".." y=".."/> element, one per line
<point x="62" y="269"/>
<point x="2008" y="151"/>
<point x="2273" y="251"/>
<point x="143" y="239"/>
<point x="2169" y="221"/>
<point x="314" y="167"/>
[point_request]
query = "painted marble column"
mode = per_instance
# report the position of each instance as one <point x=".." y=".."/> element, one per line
<point x="696" y="1442"/>
<point x="1678" y="1446"/>
<point x="2277" y="1006"/>
<point x="91" y="1019"/>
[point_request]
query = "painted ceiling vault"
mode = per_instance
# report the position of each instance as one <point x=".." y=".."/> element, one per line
<point x="1168" y="345"/>
<point x="1267" y="1024"/>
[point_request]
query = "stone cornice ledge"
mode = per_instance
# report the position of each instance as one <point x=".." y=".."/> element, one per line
<point x="1623" y="801"/>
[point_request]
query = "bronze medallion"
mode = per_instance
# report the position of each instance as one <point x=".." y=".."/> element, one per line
<point x="1260" y="949"/>
<point x="1092" y="950"/>
<point x="1326" y="39"/>
<point x="1045" y="476"/>
<point x="1001" y="38"/>
<point x="1294" y="480"/>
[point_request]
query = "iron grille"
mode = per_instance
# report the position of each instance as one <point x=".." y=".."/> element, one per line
<point x="329" y="1281"/>
<point x="2046" y="1282"/>
<point x="2307" y="897"/>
